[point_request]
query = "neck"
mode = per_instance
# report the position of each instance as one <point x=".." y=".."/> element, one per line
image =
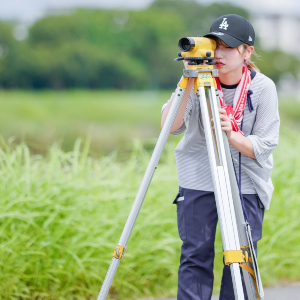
<point x="232" y="77"/>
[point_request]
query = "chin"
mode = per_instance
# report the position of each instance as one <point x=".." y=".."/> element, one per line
<point x="222" y="70"/>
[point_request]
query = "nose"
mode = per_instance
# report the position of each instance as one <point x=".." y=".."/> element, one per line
<point x="218" y="52"/>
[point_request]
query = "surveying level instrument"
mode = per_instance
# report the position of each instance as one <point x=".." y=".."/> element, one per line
<point x="238" y="247"/>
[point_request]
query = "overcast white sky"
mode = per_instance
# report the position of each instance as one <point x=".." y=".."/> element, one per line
<point x="29" y="10"/>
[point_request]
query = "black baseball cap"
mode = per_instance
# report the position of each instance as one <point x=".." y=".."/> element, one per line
<point x="233" y="30"/>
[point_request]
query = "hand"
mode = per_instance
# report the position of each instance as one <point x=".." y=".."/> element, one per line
<point x="225" y="122"/>
<point x="186" y="64"/>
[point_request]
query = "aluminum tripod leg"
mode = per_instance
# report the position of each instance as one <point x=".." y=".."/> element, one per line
<point x="243" y="233"/>
<point x="222" y="189"/>
<point x="232" y="223"/>
<point x="179" y="94"/>
<point x="242" y="226"/>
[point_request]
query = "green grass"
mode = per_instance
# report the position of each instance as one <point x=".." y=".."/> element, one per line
<point x="111" y="119"/>
<point x="280" y="247"/>
<point x="62" y="213"/>
<point x="61" y="216"/>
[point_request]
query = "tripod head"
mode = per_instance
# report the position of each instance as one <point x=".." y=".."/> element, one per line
<point x="197" y="50"/>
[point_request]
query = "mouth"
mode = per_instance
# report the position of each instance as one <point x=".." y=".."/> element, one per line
<point x="219" y="64"/>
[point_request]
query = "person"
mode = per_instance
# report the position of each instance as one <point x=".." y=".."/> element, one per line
<point x="252" y="133"/>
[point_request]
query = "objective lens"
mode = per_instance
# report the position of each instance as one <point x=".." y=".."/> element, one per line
<point x="186" y="44"/>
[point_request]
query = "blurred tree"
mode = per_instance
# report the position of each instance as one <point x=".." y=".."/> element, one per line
<point x="197" y="18"/>
<point x="107" y="49"/>
<point x="10" y="55"/>
<point x="276" y="63"/>
<point x="115" y="49"/>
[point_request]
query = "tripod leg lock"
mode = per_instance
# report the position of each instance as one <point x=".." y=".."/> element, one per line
<point x="233" y="256"/>
<point x="237" y="256"/>
<point x="119" y="252"/>
<point x="247" y="255"/>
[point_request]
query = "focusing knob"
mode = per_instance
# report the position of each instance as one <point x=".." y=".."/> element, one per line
<point x="208" y="54"/>
<point x="179" y="54"/>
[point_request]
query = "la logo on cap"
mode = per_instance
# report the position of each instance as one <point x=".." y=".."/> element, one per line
<point x="224" y="24"/>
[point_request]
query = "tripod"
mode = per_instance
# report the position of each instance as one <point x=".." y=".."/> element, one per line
<point x="238" y="248"/>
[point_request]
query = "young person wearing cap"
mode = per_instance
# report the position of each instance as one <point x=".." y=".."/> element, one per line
<point x="252" y="134"/>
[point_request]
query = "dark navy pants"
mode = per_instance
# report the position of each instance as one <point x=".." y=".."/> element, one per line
<point x="197" y="220"/>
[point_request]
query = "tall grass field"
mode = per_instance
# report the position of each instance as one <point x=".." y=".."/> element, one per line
<point x="63" y="209"/>
<point x="111" y="118"/>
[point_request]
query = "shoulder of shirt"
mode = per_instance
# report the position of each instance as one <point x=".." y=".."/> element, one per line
<point x="263" y="80"/>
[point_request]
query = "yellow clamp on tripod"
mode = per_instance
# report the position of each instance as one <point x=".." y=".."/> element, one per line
<point x="119" y="252"/>
<point x="242" y="258"/>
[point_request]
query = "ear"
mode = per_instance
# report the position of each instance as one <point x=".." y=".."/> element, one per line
<point x="248" y="52"/>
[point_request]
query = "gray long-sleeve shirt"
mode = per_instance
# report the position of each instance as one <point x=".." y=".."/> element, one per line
<point x="261" y="126"/>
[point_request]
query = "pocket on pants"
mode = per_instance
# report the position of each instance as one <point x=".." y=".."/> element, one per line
<point x="179" y="201"/>
<point x="260" y="205"/>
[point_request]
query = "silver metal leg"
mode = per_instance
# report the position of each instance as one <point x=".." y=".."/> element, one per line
<point x="179" y="93"/>
<point x="243" y="228"/>
<point x="222" y="188"/>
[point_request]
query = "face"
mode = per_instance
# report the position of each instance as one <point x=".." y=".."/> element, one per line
<point x="230" y="61"/>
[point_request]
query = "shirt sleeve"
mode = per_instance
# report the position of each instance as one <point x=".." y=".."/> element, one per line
<point x="265" y="133"/>
<point x="187" y="113"/>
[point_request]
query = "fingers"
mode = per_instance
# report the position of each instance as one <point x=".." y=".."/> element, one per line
<point x="224" y="118"/>
<point x="186" y="63"/>
<point x="222" y="111"/>
<point x="226" y="126"/>
<point x="224" y="121"/>
<point x="223" y="115"/>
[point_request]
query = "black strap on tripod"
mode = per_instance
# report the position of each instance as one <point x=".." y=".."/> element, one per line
<point x="239" y="180"/>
